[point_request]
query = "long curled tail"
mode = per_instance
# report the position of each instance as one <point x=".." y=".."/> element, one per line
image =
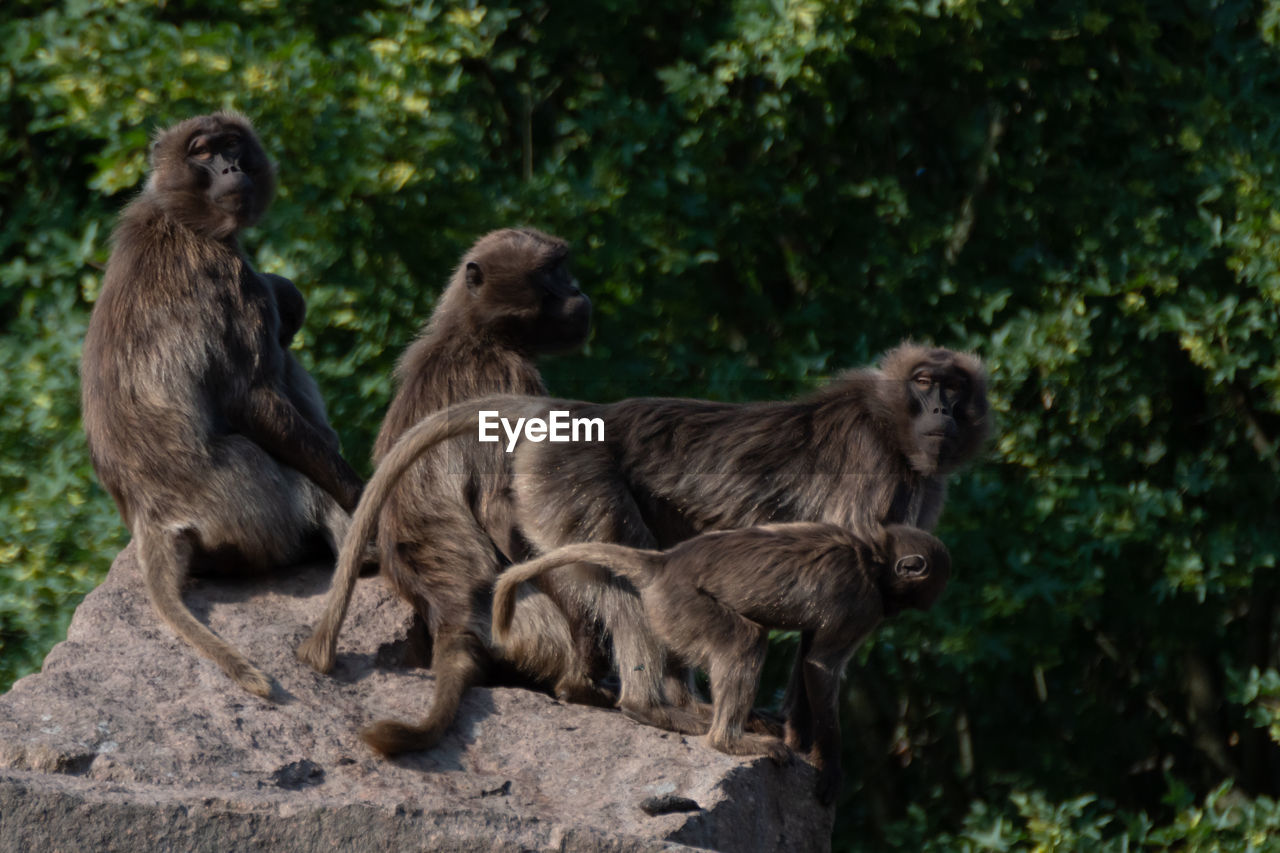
<point x="318" y="650"/>
<point x="635" y="564"/>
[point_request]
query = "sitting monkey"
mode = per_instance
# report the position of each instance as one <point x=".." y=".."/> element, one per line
<point x="712" y="599"/>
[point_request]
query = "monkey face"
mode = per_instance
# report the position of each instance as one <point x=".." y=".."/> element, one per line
<point x="942" y="407"/>
<point x="564" y="312"/>
<point x="935" y="392"/>
<point x="222" y="161"/>
<point x="211" y="173"/>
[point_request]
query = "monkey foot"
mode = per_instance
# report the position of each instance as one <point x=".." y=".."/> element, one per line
<point x="667" y="717"/>
<point x="315" y="654"/>
<point x="759" y="722"/>
<point x="749" y="744"/>
<point x="798" y="739"/>
<point x="585" y="693"/>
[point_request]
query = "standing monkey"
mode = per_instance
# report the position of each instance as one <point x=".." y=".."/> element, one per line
<point x="712" y="599"/>
<point x="207" y="433"/>
<point x="448" y="527"/>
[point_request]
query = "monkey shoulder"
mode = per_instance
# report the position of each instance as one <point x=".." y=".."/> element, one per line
<point x="467" y="368"/>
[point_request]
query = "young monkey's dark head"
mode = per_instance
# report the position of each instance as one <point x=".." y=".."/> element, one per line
<point x="916" y="568"/>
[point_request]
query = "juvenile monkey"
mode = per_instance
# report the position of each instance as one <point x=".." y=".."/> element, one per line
<point x="711" y="600"/>
<point x="205" y="430"/>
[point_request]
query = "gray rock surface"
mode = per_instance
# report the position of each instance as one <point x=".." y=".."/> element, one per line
<point x="127" y="740"/>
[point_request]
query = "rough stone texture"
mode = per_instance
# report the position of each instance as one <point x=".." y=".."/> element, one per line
<point x="130" y="741"/>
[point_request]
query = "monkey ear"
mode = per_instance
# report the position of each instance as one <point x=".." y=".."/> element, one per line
<point x="474" y="275"/>
<point x="911" y="566"/>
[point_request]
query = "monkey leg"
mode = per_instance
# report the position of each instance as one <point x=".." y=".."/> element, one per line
<point x="796" y="706"/>
<point x="600" y="509"/>
<point x="641" y="663"/>
<point x="459" y="661"/>
<point x="736" y="658"/>
<point x="640" y="658"/>
<point x="541" y="645"/>
<point x="251" y="503"/>
<point x="822" y="668"/>
<point x="240" y="515"/>
<point x="165" y="555"/>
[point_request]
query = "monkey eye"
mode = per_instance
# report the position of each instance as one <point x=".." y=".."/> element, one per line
<point x="199" y="148"/>
<point x="922" y="380"/>
<point x="959" y="387"/>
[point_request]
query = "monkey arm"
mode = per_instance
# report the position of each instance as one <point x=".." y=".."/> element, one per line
<point x="272" y="421"/>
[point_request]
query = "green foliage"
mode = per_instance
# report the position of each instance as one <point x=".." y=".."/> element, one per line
<point x="1224" y="820"/>
<point x="761" y="193"/>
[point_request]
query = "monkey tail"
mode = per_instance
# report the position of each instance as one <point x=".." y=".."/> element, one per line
<point x="165" y="556"/>
<point x="319" y="650"/>
<point x="635" y="564"/>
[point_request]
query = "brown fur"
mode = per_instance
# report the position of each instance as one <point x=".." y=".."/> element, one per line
<point x="712" y="599"/>
<point x="857" y="454"/>
<point x="448" y="528"/>
<point x="854" y="453"/>
<point x="210" y="437"/>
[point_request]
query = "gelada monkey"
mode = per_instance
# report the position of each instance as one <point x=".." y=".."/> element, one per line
<point x="204" y="429"/>
<point x="449" y="527"/>
<point x="712" y="599"/>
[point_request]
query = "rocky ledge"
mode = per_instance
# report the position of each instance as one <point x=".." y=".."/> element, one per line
<point x="127" y="740"/>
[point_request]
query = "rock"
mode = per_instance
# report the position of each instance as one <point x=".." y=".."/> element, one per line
<point x="128" y="740"/>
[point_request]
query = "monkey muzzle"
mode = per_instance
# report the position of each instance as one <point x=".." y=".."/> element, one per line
<point x="232" y="191"/>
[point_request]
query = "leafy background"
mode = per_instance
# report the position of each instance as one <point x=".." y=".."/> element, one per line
<point x="759" y="194"/>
